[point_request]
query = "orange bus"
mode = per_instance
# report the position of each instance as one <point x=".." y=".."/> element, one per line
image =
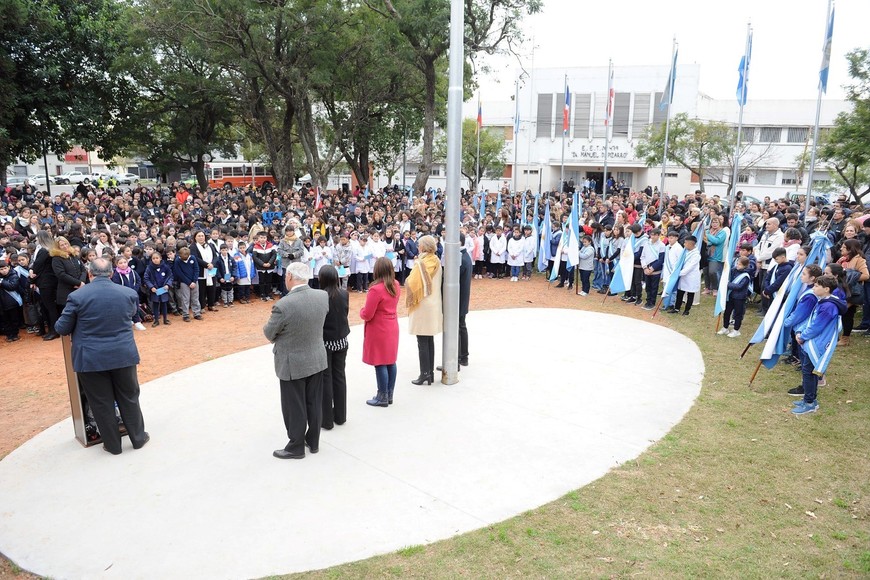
<point x="230" y="175"/>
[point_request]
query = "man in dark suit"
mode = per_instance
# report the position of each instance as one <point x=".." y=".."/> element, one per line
<point x="296" y="330"/>
<point x="99" y="316"/>
<point x="465" y="271"/>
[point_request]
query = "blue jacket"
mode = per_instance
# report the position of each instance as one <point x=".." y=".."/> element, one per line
<point x="823" y="315"/>
<point x="99" y="316"/>
<point x="133" y="281"/>
<point x="411" y="250"/>
<point x="738" y="284"/>
<point x="801" y="313"/>
<point x="185" y="271"/>
<point x="221" y="271"/>
<point x="776" y="276"/>
<point x="157" y="277"/>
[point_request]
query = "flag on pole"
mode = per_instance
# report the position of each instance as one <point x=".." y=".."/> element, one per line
<point x="826" y="53"/>
<point x="433" y="193"/>
<point x="566" y="112"/>
<point x="574" y="232"/>
<point x="544" y="244"/>
<point x="498" y="203"/>
<point x="743" y="79"/>
<point x="523" y="215"/>
<point x="516" y="118"/>
<point x="821" y="348"/>
<point x="366" y="192"/>
<point x="535" y="218"/>
<point x="482" y="206"/>
<point x="624" y="268"/>
<point x="557" y="258"/>
<point x="479" y="117"/>
<point x="668" y="94"/>
<point x="779" y="335"/>
<point x="318" y="202"/>
<point x="730" y="248"/>
<point x="611" y="93"/>
<point x="673" y="279"/>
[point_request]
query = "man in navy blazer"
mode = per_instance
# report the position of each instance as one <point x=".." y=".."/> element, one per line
<point x="99" y="316"/>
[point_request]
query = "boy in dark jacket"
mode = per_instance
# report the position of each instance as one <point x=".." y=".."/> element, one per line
<point x="185" y="271"/>
<point x="10" y="301"/>
<point x="775" y="277"/>
<point x="738" y="291"/>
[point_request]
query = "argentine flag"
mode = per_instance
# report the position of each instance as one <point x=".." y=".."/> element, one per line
<point x="730" y="248"/>
<point x="574" y="232"/>
<point x="544" y="243"/>
<point x="624" y="269"/>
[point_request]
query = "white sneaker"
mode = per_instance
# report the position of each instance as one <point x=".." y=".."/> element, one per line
<point x="583" y="293"/>
<point x="723" y="330"/>
<point x="139" y="326"/>
<point x="513" y="278"/>
<point x="734" y="334"/>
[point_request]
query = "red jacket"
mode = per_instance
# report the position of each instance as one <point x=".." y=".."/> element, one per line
<point x="381" y="342"/>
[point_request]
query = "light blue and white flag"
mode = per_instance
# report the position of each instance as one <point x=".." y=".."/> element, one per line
<point x="574" y="232"/>
<point x="557" y="259"/>
<point x="743" y="80"/>
<point x="668" y="94"/>
<point x="730" y="248"/>
<point x="826" y="53"/>
<point x="523" y="214"/>
<point x="623" y="270"/>
<point x="498" y="204"/>
<point x="546" y="235"/>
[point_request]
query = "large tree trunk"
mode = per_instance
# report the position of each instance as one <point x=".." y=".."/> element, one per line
<point x="428" y="129"/>
<point x="199" y="169"/>
<point x="278" y="143"/>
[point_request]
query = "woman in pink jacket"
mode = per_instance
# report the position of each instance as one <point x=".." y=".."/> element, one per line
<point x="381" y="342"/>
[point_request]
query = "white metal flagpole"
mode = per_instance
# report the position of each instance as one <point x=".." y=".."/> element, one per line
<point x="607" y="120"/>
<point x="669" y="89"/>
<point x="479" y="129"/>
<point x="741" y="98"/>
<point x="516" y="134"/>
<point x="566" y="120"/>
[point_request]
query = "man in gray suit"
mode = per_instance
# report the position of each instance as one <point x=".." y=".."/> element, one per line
<point x="99" y="316"/>
<point x="296" y="330"/>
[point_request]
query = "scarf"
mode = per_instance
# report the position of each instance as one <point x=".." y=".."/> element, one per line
<point x="124" y="272"/>
<point x="419" y="283"/>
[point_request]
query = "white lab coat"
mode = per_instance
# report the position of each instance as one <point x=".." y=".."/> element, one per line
<point x="497" y="249"/>
<point x="515" y="249"/>
<point x="690" y="275"/>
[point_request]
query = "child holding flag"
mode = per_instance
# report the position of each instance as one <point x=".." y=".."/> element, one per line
<point x="738" y="292"/>
<point x="690" y="277"/>
<point x="652" y="261"/>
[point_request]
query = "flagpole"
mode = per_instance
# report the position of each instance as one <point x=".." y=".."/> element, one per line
<point x="742" y="100"/>
<point x="607" y="122"/>
<point x="818" y="115"/>
<point x="531" y="106"/>
<point x="564" y="134"/>
<point x="516" y="132"/>
<point x="671" y="82"/>
<point x="479" y="128"/>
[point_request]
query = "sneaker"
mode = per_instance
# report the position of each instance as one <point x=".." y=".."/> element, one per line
<point x="724" y="330"/>
<point x="648" y="306"/>
<point x="139" y="326"/>
<point x="513" y="278"/>
<point x="805" y="408"/>
<point x="798" y="391"/>
<point x="584" y="293"/>
<point x="797" y="403"/>
<point x="626" y="298"/>
<point x="823" y="382"/>
<point x="186" y="318"/>
<point x="197" y="316"/>
<point x="231" y="304"/>
<point x="734" y="334"/>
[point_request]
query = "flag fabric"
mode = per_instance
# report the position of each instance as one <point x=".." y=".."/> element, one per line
<point x="826" y="53"/>
<point x="535" y="217"/>
<point x="546" y="235"/>
<point x="516" y="119"/>
<point x="574" y="232"/>
<point x="743" y="79"/>
<point x="668" y="94"/>
<point x="623" y="270"/>
<point x="433" y="193"/>
<point x="479" y="117"/>
<point x="779" y="335"/>
<point x="610" y="96"/>
<point x="673" y="279"/>
<point x="523" y="215"/>
<point x="821" y="348"/>
<point x="566" y="112"/>
<point x="557" y="258"/>
<point x="498" y="203"/>
<point x="366" y="192"/>
<point x="730" y="248"/>
<point x="318" y="202"/>
<point x="482" y="205"/>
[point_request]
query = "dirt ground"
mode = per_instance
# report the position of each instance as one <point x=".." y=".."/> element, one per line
<point x="35" y="394"/>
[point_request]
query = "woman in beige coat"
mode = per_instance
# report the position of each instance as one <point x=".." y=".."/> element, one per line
<point x="423" y="298"/>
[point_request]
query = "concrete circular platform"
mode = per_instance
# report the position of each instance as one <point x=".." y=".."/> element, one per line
<point x="550" y="402"/>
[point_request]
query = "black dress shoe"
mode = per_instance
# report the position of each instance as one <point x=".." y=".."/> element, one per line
<point x="327" y="428"/>
<point x="463" y="362"/>
<point x="312" y="449"/>
<point x="51" y="336"/>
<point x="145" y="440"/>
<point x="106" y="449"/>
<point x="283" y="454"/>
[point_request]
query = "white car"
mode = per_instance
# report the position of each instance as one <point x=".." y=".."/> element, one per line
<point x="13" y="181"/>
<point x="125" y="178"/>
<point x="39" y="179"/>
<point x="75" y="177"/>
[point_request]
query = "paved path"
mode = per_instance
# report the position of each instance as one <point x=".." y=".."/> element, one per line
<point x="539" y="413"/>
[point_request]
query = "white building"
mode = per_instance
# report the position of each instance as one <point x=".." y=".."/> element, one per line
<point x="781" y="130"/>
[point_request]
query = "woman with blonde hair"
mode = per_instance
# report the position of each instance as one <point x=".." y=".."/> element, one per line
<point x="424" y="306"/>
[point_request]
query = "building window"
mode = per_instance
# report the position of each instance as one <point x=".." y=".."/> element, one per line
<point x="621" y="102"/>
<point x="640" y="120"/>
<point x="545" y="115"/>
<point x="743" y="178"/>
<point x="625" y="177"/>
<point x="712" y="176"/>
<point x="821" y="178"/>
<point x="582" y="105"/>
<point x="670" y="174"/>
<point x="19" y="170"/>
<point x="660" y="114"/>
<point x="530" y="171"/>
<point x="824" y="132"/>
<point x="798" y="134"/>
<point x="747" y="135"/>
<point x="436" y="171"/>
<point x="765" y="177"/>
<point x="770" y="135"/>
<point x="598" y="129"/>
<point x="788" y="177"/>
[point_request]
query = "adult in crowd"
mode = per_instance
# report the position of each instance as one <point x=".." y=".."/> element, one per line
<point x="68" y="268"/>
<point x="43" y="277"/>
<point x="335" y="331"/>
<point x="206" y="257"/>
<point x="98" y="317"/>
<point x="466" y="267"/>
<point x="855" y="266"/>
<point x="300" y="358"/>
<point x="424" y="306"/>
<point x="381" y="334"/>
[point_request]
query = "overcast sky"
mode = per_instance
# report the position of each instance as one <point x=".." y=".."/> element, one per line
<point x="786" y="52"/>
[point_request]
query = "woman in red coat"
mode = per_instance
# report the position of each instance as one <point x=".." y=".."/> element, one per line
<point x="381" y="342"/>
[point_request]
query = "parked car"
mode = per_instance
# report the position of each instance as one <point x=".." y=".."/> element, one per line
<point x="39" y="179"/>
<point x="13" y="181"/>
<point x="75" y="177"/>
<point x="126" y="178"/>
<point x="818" y="197"/>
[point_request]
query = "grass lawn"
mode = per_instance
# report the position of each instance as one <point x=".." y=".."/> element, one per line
<point x="740" y="488"/>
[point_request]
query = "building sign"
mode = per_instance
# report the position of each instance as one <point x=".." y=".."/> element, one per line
<point x="76" y="155"/>
<point x="597" y="152"/>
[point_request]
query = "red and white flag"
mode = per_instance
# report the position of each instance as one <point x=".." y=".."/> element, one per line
<point x="566" y="113"/>
<point x="610" y="95"/>
<point x="318" y="203"/>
